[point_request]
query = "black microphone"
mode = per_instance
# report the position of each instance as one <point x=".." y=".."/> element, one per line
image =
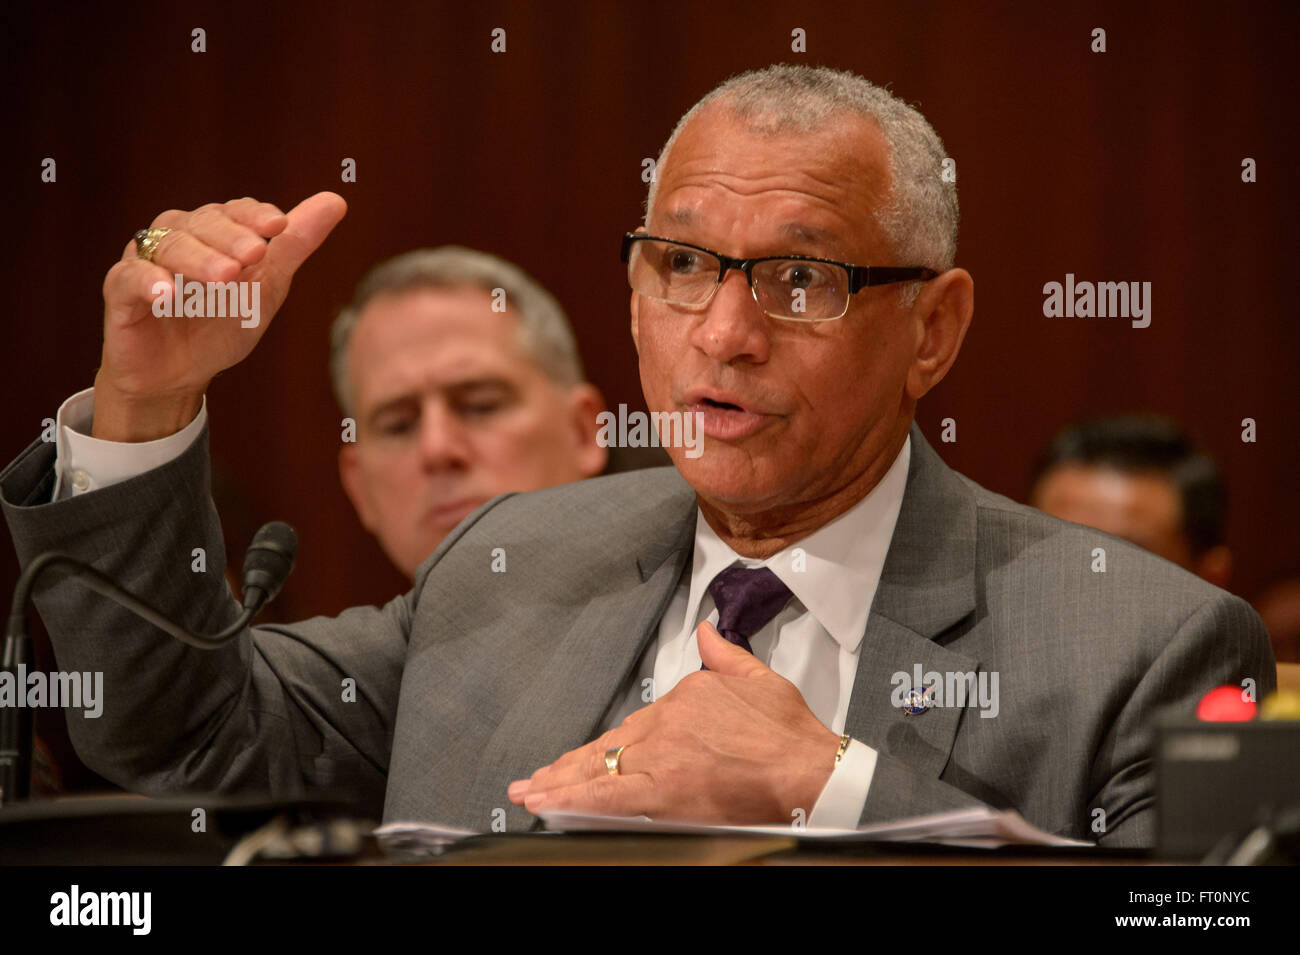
<point x="266" y="567"/>
<point x="268" y="562"/>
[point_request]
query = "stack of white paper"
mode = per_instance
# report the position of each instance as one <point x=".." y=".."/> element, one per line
<point x="977" y="828"/>
<point x="974" y="828"/>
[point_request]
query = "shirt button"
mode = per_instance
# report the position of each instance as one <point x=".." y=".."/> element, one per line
<point x="80" y="480"/>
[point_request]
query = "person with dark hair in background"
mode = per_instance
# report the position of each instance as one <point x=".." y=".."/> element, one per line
<point x="1139" y="477"/>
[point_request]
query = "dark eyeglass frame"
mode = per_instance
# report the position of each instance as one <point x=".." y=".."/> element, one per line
<point x="860" y="276"/>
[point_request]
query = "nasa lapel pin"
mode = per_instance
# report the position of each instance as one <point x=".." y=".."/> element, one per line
<point x="916" y="701"/>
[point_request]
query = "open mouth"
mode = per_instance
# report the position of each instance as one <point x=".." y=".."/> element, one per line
<point x="720" y="404"/>
<point x="726" y="420"/>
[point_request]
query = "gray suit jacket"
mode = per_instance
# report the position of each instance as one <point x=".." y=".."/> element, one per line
<point x="476" y="677"/>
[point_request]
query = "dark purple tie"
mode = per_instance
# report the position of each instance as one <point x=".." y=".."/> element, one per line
<point x="746" y="600"/>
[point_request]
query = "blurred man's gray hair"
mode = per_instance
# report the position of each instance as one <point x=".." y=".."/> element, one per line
<point x="544" y="331"/>
<point x="920" y="221"/>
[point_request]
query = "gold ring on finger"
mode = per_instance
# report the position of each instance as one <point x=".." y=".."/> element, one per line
<point x="146" y="242"/>
<point x="611" y="760"/>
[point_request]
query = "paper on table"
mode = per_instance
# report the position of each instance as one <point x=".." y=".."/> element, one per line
<point x="977" y="827"/>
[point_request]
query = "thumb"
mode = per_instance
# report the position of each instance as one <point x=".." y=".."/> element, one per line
<point x="726" y="658"/>
<point x="310" y="221"/>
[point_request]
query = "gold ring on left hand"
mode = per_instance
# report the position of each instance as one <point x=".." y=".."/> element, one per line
<point x="611" y="760"/>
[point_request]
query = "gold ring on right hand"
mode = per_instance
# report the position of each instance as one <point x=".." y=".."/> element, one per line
<point x="146" y="242"/>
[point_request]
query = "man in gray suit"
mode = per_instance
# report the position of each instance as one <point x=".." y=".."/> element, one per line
<point x="879" y="636"/>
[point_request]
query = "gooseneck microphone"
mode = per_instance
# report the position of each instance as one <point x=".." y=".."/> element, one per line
<point x="267" y="564"/>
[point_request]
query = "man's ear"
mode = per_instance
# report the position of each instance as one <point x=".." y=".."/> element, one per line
<point x="1215" y="565"/>
<point x="633" y="307"/>
<point x="585" y="402"/>
<point x="353" y="485"/>
<point x="941" y="316"/>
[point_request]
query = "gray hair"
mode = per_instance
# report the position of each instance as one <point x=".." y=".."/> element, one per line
<point x="920" y="221"/>
<point x="544" y="331"/>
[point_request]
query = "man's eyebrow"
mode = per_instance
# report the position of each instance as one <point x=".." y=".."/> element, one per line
<point x="485" y="383"/>
<point x="391" y="404"/>
<point x="686" y="216"/>
<point x="682" y="216"/>
<point x="807" y="233"/>
<point x="455" y="389"/>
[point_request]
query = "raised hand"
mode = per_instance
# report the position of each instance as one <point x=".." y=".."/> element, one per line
<point x="154" y="370"/>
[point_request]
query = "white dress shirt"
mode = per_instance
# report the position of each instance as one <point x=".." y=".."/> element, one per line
<point x="813" y="642"/>
<point x="83" y="463"/>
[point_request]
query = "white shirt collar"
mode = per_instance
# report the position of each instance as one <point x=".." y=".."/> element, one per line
<point x="834" y="571"/>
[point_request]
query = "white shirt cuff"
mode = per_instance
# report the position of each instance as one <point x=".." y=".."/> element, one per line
<point x="845" y="793"/>
<point x="83" y="463"/>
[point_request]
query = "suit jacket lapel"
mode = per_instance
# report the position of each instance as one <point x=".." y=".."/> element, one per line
<point x="927" y="587"/>
<point x="564" y="706"/>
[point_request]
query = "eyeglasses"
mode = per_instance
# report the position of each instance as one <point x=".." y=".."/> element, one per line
<point x="791" y="287"/>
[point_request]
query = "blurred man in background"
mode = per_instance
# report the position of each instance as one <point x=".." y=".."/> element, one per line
<point x="1140" y="478"/>
<point x="1279" y="607"/>
<point x="464" y="380"/>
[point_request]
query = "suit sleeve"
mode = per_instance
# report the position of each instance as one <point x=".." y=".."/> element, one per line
<point x="281" y="710"/>
<point x="899" y="792"/>
<point x="1222" y="642"/>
